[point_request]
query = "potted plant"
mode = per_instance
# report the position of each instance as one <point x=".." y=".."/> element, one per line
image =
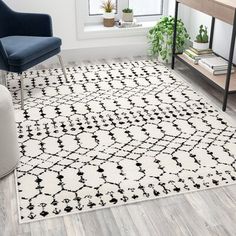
<point x="202" y="39"/>
<point x="109" y="16"/>
<point x="161" y="38"/>
<point x="127" y="15"/>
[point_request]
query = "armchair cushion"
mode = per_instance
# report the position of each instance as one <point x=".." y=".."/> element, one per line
<point x="24" y="67"/>
<point x="25" y="39"/>
<point x="23" y="49"/>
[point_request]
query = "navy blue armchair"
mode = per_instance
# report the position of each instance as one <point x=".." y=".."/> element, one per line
<point x="26" y="40"/>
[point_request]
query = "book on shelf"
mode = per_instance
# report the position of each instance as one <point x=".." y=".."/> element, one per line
<point x="216" y="63"/>
<point x="189" y="54"/>
<point x="213" y="71"/>
<point x="201" y="52"/>
<point x="194" y="61"/>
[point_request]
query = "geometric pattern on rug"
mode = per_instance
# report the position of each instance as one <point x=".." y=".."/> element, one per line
<point x="115" y="134"/>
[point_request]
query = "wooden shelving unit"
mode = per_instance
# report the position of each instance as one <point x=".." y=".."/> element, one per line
<point x="224" y="10"/>
<point x="216" y="80"/>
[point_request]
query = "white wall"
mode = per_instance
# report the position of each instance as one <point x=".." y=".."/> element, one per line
<point x="222" y="35"/>
<point x="184" y="12"/>
<point x="63" y="13"/>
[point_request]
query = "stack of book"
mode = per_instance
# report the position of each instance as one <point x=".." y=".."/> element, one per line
<point x="216" y="65"/>
<point x="124" y="24"/>
<point x="195" y="55"/>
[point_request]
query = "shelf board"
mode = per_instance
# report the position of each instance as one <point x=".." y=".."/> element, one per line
<point x="220" y="9"/>
<point x="218" y="80"/>
<point x="228" y="3"/>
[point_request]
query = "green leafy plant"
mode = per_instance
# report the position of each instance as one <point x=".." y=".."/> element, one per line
<point x="108" y="6"/>
<point x="161" y="38"/>
<point x="202" y="37"/>
<point x="127" y="10"/>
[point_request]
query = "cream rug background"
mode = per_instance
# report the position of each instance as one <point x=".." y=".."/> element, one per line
<point x="117" y="133"/>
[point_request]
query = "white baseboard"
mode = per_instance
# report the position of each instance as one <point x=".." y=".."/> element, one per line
<point x="75" y="56"/>
<point x="84" y="54"/>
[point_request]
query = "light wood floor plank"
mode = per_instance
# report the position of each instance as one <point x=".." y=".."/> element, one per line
<point x="125" y="221"/>
<point x="99" y="222"/>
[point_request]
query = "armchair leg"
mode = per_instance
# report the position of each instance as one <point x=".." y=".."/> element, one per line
<point x="63" y="67"/>
<point x="22" y="90"/>
<point x="4" y="78"/>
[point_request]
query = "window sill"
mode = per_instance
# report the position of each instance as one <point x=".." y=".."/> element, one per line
<point x="100" y="27"/>
<point x="99" y="31"/>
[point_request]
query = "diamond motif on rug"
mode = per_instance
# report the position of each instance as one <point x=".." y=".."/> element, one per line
<point x="115" y="134"/>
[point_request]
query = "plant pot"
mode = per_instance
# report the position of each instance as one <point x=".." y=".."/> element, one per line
<point x="128" y="17"/>
<point x="200" y="46"/>
<point x="109" y="19"/>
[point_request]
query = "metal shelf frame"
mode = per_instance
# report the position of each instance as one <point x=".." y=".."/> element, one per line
<point x="230" y="59"/>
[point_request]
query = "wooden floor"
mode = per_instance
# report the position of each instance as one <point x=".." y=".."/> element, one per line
<point x="211" y="212"/>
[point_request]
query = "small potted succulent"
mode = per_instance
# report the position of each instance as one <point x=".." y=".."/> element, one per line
<point x="108" y="16"/>
<point x="202" y="39"/>
<point x="127" y="15"/>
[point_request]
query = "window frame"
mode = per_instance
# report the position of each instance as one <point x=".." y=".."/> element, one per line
<point x="97" y="18"/>
<point x="85" y="24"/>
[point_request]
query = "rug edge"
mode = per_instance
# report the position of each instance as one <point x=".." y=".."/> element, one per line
<point x="179" y="76"/>
<point x="125" y="204"/>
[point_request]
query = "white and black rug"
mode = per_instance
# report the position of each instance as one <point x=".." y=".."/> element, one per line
<point x="117" y="133"/>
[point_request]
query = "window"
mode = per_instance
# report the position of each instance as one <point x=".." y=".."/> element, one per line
<point x="147" y="7"/>
<point x="95" y="7"/>
<point x="144" y="10"/>
<point x="89" y="16"/>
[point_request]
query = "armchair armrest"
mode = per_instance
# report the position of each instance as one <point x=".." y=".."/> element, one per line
<point x="32" y="24"/>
